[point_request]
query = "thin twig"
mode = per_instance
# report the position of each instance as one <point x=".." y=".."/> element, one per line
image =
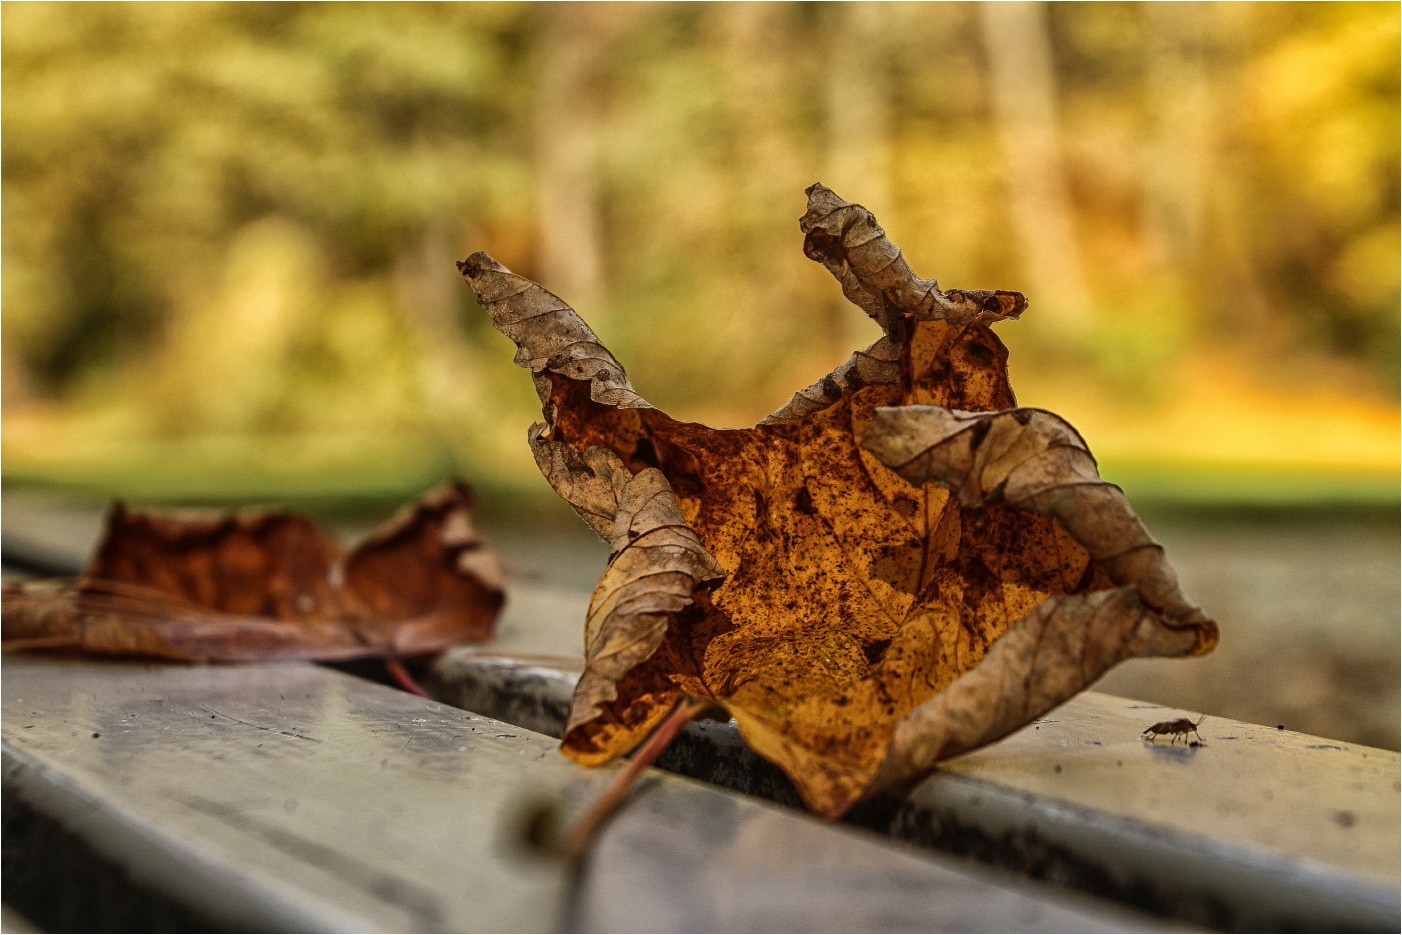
<point x="604" y="806"/>
<point x="402" y="678"/>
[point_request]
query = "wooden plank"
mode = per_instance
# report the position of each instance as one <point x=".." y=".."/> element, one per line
<point x="1255" y="829"/>
<point x="295" y="798"/>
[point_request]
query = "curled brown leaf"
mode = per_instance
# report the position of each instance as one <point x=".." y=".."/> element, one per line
<point x="1058" y="649"/>
<point x="825" y="601"/>
<point x="656" y="565"/>
<point x="257" y="586"/>
<point x="1034" y="460"/>
<point x="846" y="239"/>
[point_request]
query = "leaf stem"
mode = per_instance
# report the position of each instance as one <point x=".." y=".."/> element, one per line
<point x="587" y="828"/>
<point x="402" y="678"/>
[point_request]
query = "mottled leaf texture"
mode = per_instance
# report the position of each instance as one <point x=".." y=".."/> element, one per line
<point x="895" y="566"/>
<point x="256" y="586"/>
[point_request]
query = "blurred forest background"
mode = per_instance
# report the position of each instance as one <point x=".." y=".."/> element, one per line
<point x="229" y="230"/>
<point x="229" y="233"/>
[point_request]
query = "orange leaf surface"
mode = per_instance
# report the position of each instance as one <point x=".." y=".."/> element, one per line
<point x="257" y="586"/>
<point x="896" y="565"/>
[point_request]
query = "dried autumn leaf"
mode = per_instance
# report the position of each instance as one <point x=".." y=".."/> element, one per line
<point x="260" y="586"/>
<point x="813" y="575"/>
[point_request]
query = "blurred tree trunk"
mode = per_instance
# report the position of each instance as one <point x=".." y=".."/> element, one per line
<point x="1206" y="237"/>
<point x="565" y="142"/>
<point x="1180" y="100"/>
<point x="426" y="297"/>
<point x="859" y="123"/>
<point x="859" y="104"/>
<point x="763" y="48"/>
<point x="1190" y="230"/>
<point x="1023" y="80"/>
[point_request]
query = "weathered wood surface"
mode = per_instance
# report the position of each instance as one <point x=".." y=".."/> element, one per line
<point x="1257" y="828"/>
<point x="295" y="798"/>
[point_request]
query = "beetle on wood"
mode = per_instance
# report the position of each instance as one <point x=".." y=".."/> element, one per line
<point x="1178" y="727"/>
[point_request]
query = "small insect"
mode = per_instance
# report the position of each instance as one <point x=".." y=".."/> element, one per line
<point x="1178" y="727"/>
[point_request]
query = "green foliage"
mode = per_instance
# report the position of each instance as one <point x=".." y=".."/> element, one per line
<point x="240" y="219"/>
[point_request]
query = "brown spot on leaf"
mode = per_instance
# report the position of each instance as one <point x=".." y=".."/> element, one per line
<point x="875" y="650"/>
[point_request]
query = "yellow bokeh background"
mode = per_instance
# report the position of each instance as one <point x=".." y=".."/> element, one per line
<point x="229" y="229"/>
